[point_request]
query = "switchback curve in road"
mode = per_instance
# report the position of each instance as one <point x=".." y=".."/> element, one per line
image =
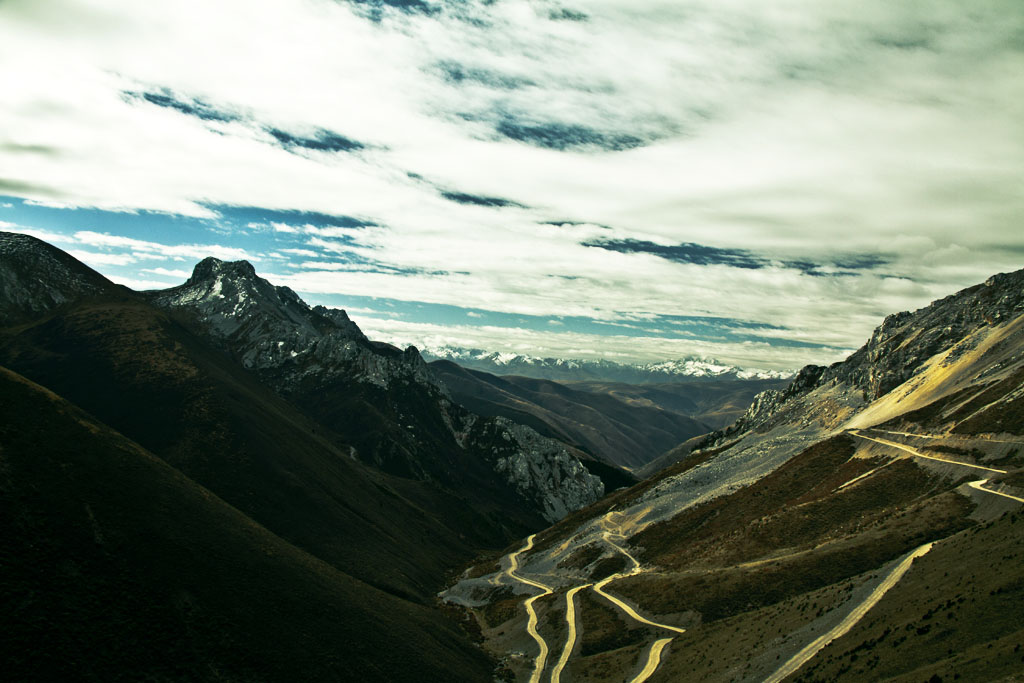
<point x="599" y="589"/>
<point x="654" y="654"/>
<point x="980" y="486"/>
<point x="531" y="613"/>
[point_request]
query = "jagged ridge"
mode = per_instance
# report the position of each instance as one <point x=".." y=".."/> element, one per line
<point x="320" y="359"/>
<point x="898" y="349"/>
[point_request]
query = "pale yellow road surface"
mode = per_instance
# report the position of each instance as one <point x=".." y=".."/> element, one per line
<point x="599" y="589"/>
<point x="980" y="486"/>
<point x="608" y="533"/>
<point x="865" y="475"/>
<point x="531" y="613"/>
<point x="654" y="655"/>
<point x="946" y="436"/>
<point x="636" y="565"/>
<point x="653" y="660"/>
<point x="570" y="640"/>
<point x="818" y="644"/>
<point x="918" y="454"/>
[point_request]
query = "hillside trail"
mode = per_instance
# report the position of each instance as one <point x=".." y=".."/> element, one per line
<point x="978" y="485"/>
<point x="918" y="454"/>
<point x="616" y="526"/>
<point x="655" y="653"/>
<point x="851" y="619"/>
<point x="531" y="624"/>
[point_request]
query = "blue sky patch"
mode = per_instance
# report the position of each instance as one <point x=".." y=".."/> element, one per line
<point x="479" y="200"/>
<point x="322" y="140"/>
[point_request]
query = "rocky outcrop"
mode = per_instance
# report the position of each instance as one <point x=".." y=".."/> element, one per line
<point x="270" y="328"/>
<point x="766" y="407"/>
<point x="36" y="278"/>
<point x="381" y="399"/>
<point x="898" y="349"/>
<point x="540" y="469"/>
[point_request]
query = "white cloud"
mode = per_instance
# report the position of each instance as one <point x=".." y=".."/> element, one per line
<point x="309" y="253"/>
<point x="566" y="344"/>
<point x="94" y="258"/>
<point x="168" y="272"/>
<point x="796" y="130"/>
<point x="143" y="249"/>
<point x="141" y="284"/>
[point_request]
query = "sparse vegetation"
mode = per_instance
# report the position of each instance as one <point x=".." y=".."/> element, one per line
<point x="606" y="627"/>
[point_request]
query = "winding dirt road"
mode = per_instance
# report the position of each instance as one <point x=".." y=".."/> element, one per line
<point x="570" y="639"/>
<point x="531" y="623"/>
<point x="599" y="589"/>
<point x="918" y="454"/>
<point x="654" y="654"/>
<point x="851" y="619"/>
<point x="980" y="486"/>
<point x="611" y="530"/>
<point x="653" y="660"/>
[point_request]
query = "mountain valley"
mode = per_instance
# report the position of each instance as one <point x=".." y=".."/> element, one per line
<point x="270" y="495"/>
<point x="860" y="524"/>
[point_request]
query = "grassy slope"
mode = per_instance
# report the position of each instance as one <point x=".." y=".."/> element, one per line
<point x="141" y="373"/>
<point x="957" y="615"/>
<point x="745" y="571"/>
<point x="115" y="566"/>
<point x="802" y="533"/>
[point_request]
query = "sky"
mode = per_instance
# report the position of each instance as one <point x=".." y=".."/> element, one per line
<point x="635" y="180"/>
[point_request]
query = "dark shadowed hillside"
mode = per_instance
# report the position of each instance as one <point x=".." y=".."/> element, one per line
<point x="116" y="567"/>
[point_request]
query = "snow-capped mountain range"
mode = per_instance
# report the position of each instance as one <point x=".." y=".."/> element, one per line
<point x="507" y="363"/>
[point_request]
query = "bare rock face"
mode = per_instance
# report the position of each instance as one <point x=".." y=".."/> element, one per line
<point x="271" y="328"/>
<point x="898" y="349"/>
<point x="539" y="468"/>
<point x="767" y="406"/>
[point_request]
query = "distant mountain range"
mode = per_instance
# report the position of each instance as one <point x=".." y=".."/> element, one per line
<point x="571" y="370"/>
<point x="627" y="425"/>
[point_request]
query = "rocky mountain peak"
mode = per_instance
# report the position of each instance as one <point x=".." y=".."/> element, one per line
<point x="900" y="348"/>
<point x="341" y="320"/>
<point x="229" y="296"/>
<point x="36" y="278"/>
<point x="211" y="268"/>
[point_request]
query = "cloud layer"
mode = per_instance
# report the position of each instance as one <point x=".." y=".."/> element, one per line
<point x="802" y="167"/>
